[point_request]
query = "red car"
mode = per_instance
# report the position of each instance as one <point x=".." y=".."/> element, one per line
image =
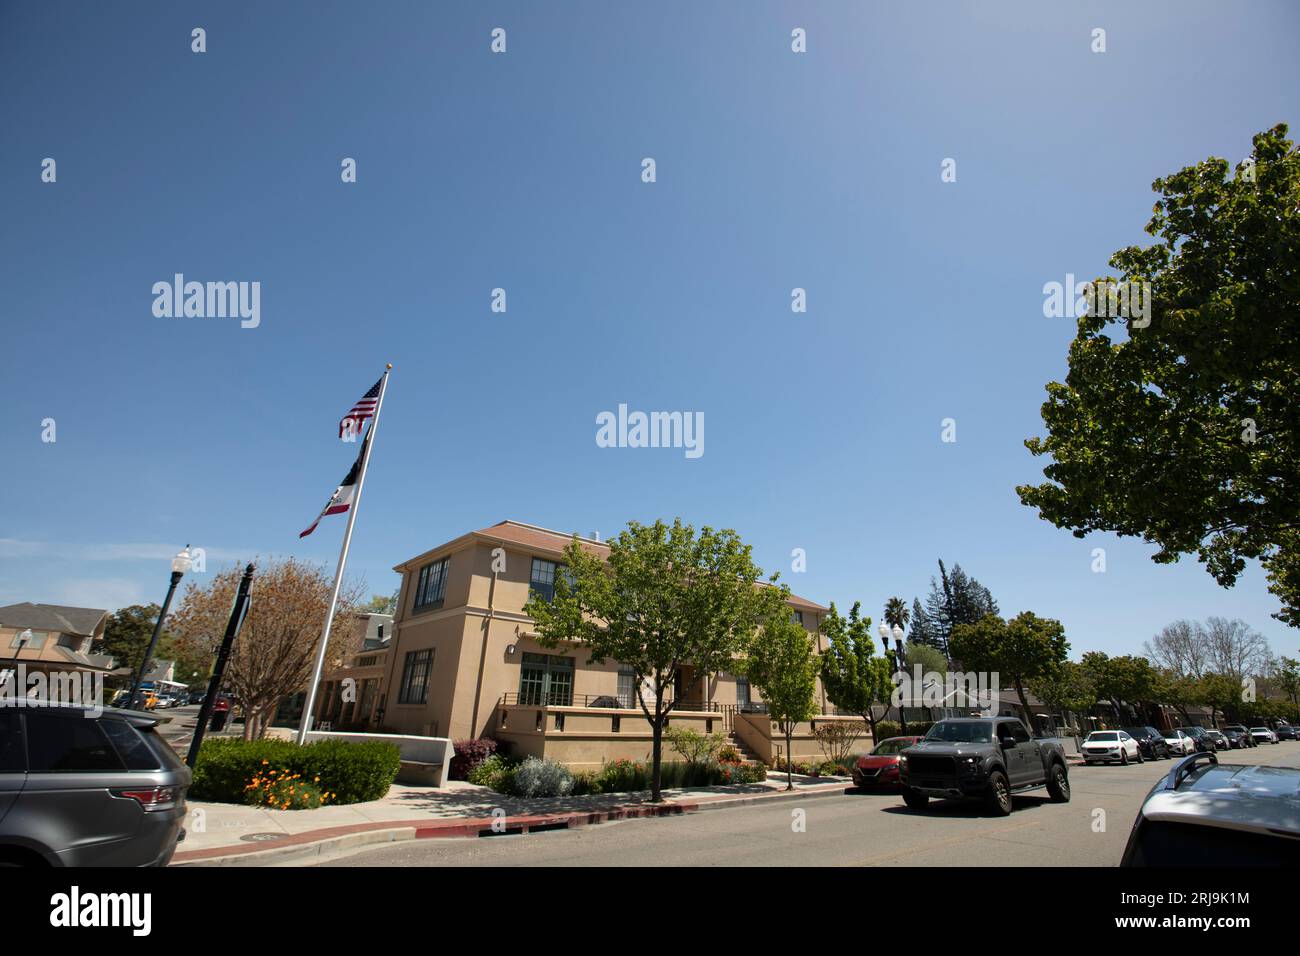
<point x="880" y="767"/>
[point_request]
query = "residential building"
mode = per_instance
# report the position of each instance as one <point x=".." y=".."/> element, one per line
<point x="350" y="681"/>
<point x="52" y="638"/>
<point x="465" y="662"/>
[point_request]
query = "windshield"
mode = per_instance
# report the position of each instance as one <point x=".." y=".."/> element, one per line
<point x="961" y="732"/>
<point x="891" y="747"/>
<point x="1103" y="735"/>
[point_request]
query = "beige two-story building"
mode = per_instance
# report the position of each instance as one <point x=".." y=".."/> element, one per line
<point x="464" y="661"/>
<point x="52" y="639"/>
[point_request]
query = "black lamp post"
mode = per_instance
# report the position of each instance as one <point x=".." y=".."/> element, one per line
<point x="180" y="564"/>
<point x="897" y="657"/>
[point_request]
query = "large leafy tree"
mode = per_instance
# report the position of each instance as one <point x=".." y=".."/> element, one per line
<point x="783" y="665"/>
<point x="1065" y="687"/>
<point x="854" y="678"/>
<point x="1022" y="649"/>
<point x="1186" y="432"/>
<point x="1127" y="679"/>
<point x="127" y="633"/>
<point x="664" y="598"/>
<point x="275" y="654"/>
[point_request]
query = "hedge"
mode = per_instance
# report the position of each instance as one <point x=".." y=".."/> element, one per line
<point x="354" y="772"/>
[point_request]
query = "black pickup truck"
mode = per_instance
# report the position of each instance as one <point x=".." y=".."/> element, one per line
<point x="981" y="758"/>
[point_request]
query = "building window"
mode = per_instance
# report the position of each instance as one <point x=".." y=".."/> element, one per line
<point x="626" y="687"/>
<point x="546" y="680"/>
<point x="797" y="617"/>
<point x="415" y="677"/>
<point x="431" y="585"/>
<point x="542" y="579"/>
<point x="33" y="643"/>
<point x="742" y="694"/>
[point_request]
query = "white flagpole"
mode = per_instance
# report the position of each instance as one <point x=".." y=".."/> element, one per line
<point x="343" y="560"/>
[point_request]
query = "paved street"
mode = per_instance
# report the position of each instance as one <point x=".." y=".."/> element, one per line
<point x="849" y="830"/>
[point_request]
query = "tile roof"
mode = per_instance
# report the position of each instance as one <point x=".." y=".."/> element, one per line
<point x="52" y="617"/>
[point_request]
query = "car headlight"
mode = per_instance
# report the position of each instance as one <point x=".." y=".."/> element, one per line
<point x="969" y="764"/>
<point x="902" y="761"/>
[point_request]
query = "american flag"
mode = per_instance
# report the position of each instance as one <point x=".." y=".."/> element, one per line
<point x="363" y="409"/>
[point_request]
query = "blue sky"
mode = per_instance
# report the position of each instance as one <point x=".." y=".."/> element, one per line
<point x="523" y="171"/>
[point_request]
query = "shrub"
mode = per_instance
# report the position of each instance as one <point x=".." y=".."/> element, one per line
<point x="693" y="746"/>
<point x="890" y="728"/>
<point x="354" y="772"/>
<point x="837" y="737"/>
<point x="728" y="754"/>
<point x="469" y="754"/>
<point x="282" y="790"/>
<point x="623" y="776"/>
<point x="541" y="778"/>
<point x="490" y="772"/>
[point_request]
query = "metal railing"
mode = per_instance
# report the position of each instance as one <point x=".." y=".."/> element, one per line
<point x="614" y="701"/>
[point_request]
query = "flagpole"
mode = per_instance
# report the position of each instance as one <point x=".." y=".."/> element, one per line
<point x="343" y="560"/>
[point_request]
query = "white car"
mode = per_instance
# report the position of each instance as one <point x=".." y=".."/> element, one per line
<point x="1104" y="746"/>
<point x="1263" y="735"/>
<point x="1179" y="743"/>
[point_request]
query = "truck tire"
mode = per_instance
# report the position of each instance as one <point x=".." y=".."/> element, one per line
<point x="1058" y="784"/>
<point x="914" y="800"/>
<point x="999" y="796"/>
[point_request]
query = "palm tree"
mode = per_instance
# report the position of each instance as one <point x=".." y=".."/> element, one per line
<point x="897" y="613"/>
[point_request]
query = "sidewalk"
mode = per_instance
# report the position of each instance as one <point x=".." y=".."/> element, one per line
<point x="221" y="834"/>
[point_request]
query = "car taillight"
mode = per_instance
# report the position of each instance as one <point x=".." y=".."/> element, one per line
<point x="154" y="798"/>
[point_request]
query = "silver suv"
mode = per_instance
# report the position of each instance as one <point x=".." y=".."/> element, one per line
<point x="84" y="789"/>
<point x="1205" y="813"/>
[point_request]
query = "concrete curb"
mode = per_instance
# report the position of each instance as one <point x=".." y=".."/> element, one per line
<point x="316" y="844"/>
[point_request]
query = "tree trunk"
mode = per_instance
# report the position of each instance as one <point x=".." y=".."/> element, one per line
<point x="1024" y="702"/>
<point x="871" y="722"/>
<point x="789" y="756"/>
<point x="656" y="745"/>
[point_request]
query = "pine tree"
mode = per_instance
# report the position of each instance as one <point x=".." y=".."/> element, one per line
<point x="954" y="598"/>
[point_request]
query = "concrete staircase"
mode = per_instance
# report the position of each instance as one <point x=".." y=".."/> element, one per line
<point x="746" y="754"/>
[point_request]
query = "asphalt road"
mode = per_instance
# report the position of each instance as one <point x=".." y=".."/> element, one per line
<point x="844" y="830"/>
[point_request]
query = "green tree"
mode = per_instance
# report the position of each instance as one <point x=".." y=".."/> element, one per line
<point x="1187" y="432"/>
<point x="127" y="633"/>
<point x="854" y="678"/>
<point x="380" y="604"/>
<point x="783" y="665"/>
<point x="1128" y="678"/>
<point x="897" y="613"/>
<point x="665" y="598"/>
<point x="1221" y="693"/>
<point x="1024" y="648"/>
<point x="1287" y="676"/>
<point x="955" y="598"/>
<point x="1065" y="687"/>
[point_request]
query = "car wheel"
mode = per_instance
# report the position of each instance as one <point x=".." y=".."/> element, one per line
<point x="914" y="800"/>
<point x="1123" y="758"/>
<point x="999" y="796"/>
<point x="1058" y="785"/>
<point x="1140" y="757"/>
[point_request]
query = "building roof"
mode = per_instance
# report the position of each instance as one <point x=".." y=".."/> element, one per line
<point x="52" y="617"/>
<point x="545" y="541"/>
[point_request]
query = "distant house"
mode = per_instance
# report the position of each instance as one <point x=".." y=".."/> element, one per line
<point x="52" y="638"/>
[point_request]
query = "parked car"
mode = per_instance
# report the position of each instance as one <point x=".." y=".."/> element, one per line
<point x="80" y="787"/>
<point x="166" y="700"/>
<point x="1179" y="743"/>
<point x="1200" y="741"/>
<point x="1219" y="740"/>
<point x="1287" y="732"/>
<point x="1110" y="746"/>
<point x="1236" y="738"/>
<point x="981" y="758"/>
<point x="880" y="767"/>
<point x="1245" y="734"/>
<point x="1209" y="814"/>
<point x="1263" y="735"/>
<point x="1150" y="741"/>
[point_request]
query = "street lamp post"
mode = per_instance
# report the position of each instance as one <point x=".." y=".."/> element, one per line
<point x="897" y="655"/>
<point x="180" y="564"/>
